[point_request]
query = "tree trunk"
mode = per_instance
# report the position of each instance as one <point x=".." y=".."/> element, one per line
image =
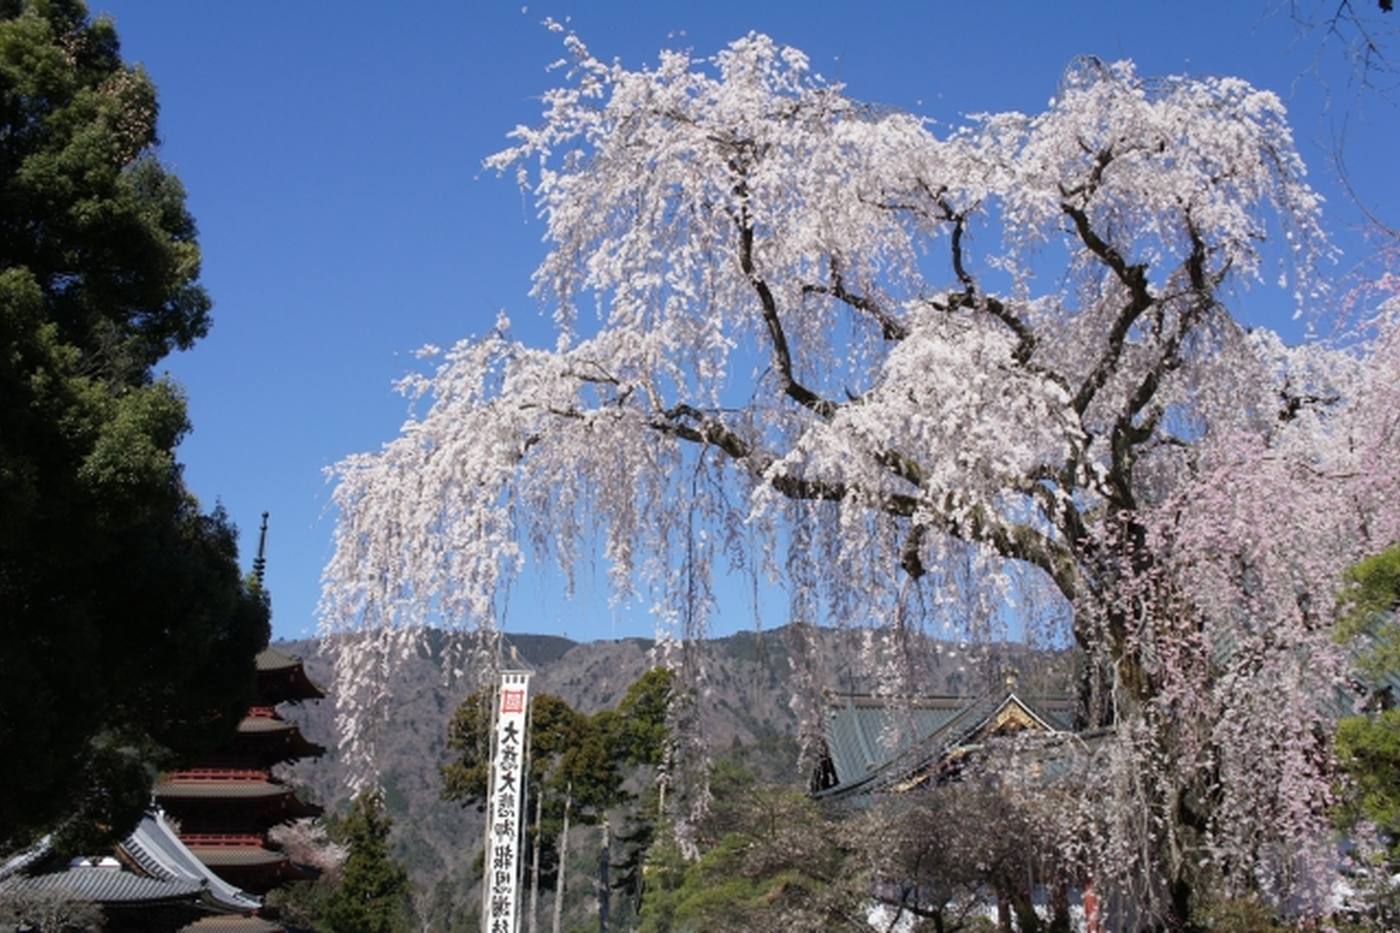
<point x="535" y="865"/>
<point x="563" y="860"/>
<point x="1060" y="921"/>
<point x="604" y="882"/>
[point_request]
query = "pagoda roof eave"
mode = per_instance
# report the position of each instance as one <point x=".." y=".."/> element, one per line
<point x="221" y="790"/>
<point x="237" y="856"/>
<point x="289" y="671"/>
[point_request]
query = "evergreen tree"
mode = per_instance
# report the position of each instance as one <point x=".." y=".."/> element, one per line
<point x="373" y="895"/>
<point x="1368" y="746"/>
<point x="127" y="636"/>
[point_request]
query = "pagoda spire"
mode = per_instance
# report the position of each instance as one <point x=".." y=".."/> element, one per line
<point x="260" y="562"/>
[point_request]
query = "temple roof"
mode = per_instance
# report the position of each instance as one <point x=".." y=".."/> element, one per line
<point x="158" y="869"/>
<point x="105" y="885"/>
<point x="275" y="736"/>
<point x="284" y="677"/>
<point x="237" y="856"/>
<point x="270" y="659"/>
<point x="259" y="724"/>
<point x="873" y="743"/>
<point x="155" y="848"/>
<point x="232" y="789"/>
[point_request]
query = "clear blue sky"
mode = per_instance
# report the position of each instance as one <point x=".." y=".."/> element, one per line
<point x="332" y="151"/>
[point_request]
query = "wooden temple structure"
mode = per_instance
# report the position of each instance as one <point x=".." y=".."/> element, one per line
<point x="878" y="745"/>
<point x="225" y="804"/>
<point x="150" y="882"/>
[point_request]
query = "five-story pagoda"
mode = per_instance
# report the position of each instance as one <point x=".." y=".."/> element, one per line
<point x="225" y="805"/>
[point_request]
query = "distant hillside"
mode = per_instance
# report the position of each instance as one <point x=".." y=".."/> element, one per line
<point x="749" y="683"/>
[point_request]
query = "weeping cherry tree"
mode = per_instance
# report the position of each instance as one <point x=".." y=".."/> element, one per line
<point x="890" y="369"/>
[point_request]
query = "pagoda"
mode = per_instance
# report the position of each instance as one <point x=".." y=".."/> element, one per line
<point x="224" y="806"/>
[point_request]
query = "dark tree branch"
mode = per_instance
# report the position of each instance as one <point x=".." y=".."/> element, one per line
<point x="782" y="355"/>
<point x="953" y="515"/>
<point x="1134" y="278"/>
<point x="1025" y="338"/>
<point x="891" y="328"/>
<point x="1128" y="432"/>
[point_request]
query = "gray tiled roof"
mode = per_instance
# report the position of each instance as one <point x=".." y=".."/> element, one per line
<point x="159" y="852"/>
<point x="104" y="886"/>
<point x="270" y="659"/>
<point x="166" y="871"/>
<point x="279" y="664"/>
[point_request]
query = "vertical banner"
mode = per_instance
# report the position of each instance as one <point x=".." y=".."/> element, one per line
<point x="507" y="802"/>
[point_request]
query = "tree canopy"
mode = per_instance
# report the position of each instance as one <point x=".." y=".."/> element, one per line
<point x="128" y="632"/>
<point x="905" y="372"/>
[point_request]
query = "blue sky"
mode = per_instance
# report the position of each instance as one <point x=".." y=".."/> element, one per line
<point x="332" y="156"/>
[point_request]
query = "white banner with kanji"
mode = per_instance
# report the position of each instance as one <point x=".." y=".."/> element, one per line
<point x="506" y="805"/>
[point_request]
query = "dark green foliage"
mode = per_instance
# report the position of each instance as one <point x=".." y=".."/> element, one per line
<point x="1368" y="747"/>
<point x="632" y="842"/>
<point x="85" y="206"/>
<point x="1369" y="600"/>
<point x="126" y="633"/>
<point x="640" y="729"/>
<point x="771" y="860"/>
<point x="1368" y="750"/>
<point x="465" y="776"/>
<point x="373" y="893"/>
<point x="590" y="768"/>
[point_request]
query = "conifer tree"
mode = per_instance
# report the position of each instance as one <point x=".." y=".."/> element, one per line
<point x="127" y="635"/>
<point x="373" y="895"/>
<point x="1368" y="746"/>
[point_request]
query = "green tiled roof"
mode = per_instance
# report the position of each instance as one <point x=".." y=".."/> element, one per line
<point x="873" y="742"/>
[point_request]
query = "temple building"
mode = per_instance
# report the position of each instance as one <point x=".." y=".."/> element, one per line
<point x="151" y="882"/>
<point x="876" y="745"/>
<point x="225" y="805"/>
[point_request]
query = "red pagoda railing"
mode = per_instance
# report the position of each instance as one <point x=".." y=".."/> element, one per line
<point x="223" y="840"/>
